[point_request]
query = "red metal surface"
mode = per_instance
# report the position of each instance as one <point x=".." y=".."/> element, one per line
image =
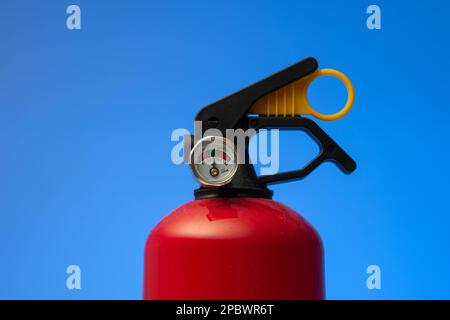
<point x="237" y="248"/>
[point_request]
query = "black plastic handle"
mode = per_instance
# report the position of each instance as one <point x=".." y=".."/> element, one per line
<point x="329" y="150"/>
<point x="228" y="112"/>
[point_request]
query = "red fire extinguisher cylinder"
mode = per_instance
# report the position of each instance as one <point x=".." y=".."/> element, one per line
<point x="236" y="248"/>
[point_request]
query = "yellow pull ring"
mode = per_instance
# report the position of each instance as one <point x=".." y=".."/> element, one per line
<point x="292" y="99"/>
<point x="334" y="73"/>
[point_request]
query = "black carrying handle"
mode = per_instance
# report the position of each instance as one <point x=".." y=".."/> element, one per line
<point x="329" y="150"/>
<point x="230" y="112"/>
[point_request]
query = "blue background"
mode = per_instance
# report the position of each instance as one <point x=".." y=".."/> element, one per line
<point x="86" y="118"/>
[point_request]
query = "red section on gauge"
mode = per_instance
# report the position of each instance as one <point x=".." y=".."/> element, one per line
<point x="222" y="155"/>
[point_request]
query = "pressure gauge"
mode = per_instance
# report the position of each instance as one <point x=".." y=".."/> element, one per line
<point x="213" y="161"/>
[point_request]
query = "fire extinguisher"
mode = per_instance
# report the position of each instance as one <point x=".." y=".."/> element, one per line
<point x="233" y="241"/>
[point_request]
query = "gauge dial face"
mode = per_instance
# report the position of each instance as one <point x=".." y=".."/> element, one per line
<point x="213" y="161"/>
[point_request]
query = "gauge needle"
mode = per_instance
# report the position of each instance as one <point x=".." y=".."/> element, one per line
<point x="214" y="171"/>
